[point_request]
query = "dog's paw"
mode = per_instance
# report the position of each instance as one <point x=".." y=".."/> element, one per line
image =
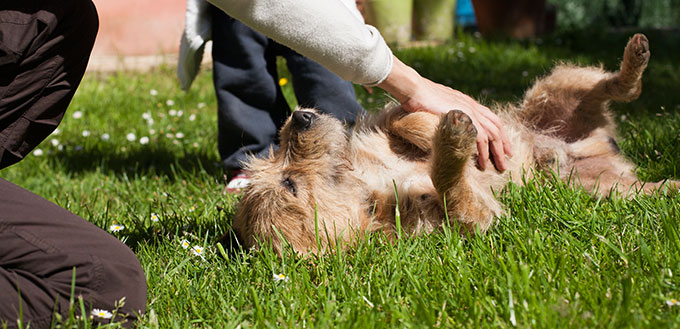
<point x="637" y="51"/>
<point x="457" y="128"/>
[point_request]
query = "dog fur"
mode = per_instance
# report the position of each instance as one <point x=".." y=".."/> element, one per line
<point x="334" y="185"/>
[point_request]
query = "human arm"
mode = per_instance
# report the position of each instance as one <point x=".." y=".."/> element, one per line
<point x="332" y="35"/>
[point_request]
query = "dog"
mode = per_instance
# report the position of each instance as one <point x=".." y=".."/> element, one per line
<point x="410" y="171"/>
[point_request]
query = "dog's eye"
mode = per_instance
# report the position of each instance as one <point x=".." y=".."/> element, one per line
<point x="289" y="184"/>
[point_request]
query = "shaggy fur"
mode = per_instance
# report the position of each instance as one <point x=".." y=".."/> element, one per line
<point x="343" y="183"/>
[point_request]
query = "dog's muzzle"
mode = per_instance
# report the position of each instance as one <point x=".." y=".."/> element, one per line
<point x="303" y="119"/>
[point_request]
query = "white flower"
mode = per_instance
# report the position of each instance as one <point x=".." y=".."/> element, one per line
<point x="152" y="131"/>
<point x="179" y="135"/>
<point x="169" y="102"/>
<point x="201" y="105"/>
<point x="195" y="145"/>
<point x="154" y="218"/>
<point x="192" y="208"/>
<point x="56" y="131"/>
<point x="86" y="133"/>
<point x="172" y="112"/>
<point x="147" y="116"/>
<point x="153" y="92"/>
<point x="180" y="113"/>
<point x="185" y="244"/>
<point x="192" y="117"/>
<point x="197" y="250"/>
<point x="105" y="136"/>
<point x="77" y="115"/>
<point x="144" y="140"/>
<point x="104" y="314"/>
<point x="472" y="50"/>
<point x="169" y="135"/>
<point x="673" y="302"/>
<point x="54" y="142"/>
<point x="116" y="228"/>
<point x="149" y="122"/>
<point x="38" y="152"/>
<point x="281" y="277"/>
<point x="131" y="137"/>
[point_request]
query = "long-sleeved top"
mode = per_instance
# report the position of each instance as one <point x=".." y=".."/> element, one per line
<point x="327" y="31"/>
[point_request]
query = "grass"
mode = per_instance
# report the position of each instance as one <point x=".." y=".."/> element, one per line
<point x="559" y="258"/>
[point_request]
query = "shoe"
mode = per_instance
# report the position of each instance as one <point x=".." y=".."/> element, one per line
<point x="238" y="182"/>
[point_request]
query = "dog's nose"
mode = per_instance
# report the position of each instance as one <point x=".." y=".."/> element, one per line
<point x="303" y="119"/>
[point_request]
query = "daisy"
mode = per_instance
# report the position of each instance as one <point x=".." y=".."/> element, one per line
<point x="153" y="92"/>
<point x="179" y="135"/>
<point x="180" y="113"/>
<point x="144" y="140"/>
<point x="672" y="302"/>
<point x="169" y="135"/>
<point x="54" y="142"/>
<point x="38" y="152"/>
<point x="86" y="133"/>
<point x="154" y="217"/>
<point x="192" y="117"/>
<point x="198" y="251"/>
<point x="77" y="115"/>
<point x="192" y="208"/>
<point x="105" y="137"/>
<point x="185" y="244"/>
<point x="56" y="131"/>
<point x="201" y="105"/>
<point x="172" y="112"/>
<point x="152" y="131"/>
<point x="280" y="277"/>
<point x="146" y="116"/>
<point x="104" y="314"/>
<point x="116" y="228"/>
<point x="131" y="137"/>
<point x="169" y="102"/>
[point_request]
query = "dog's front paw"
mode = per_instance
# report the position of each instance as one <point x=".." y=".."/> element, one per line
<point x="458" y="132"/>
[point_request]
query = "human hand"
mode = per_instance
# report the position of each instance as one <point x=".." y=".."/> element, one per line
<point x="416" y="93"/>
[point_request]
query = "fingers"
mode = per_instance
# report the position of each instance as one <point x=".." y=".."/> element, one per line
<point x="483" y="150"/>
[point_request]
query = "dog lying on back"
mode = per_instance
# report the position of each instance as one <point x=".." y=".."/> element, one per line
<point x="345" y="184"/>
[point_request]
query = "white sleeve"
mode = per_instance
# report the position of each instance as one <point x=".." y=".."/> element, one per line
<point x="326" y="31"/>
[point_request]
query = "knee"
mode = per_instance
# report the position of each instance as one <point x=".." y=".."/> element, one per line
<point x="121" y="277"/>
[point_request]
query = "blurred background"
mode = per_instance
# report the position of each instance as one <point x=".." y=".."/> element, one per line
<point x="135" y="34"/>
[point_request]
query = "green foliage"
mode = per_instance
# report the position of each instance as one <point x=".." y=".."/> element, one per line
<point x="582" y="14"/>
<point x="558" y="258"/>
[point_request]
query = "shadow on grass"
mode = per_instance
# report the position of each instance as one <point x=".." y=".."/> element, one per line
<point x="153" y="161"/>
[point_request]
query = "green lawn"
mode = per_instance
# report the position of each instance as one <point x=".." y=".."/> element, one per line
<point x="559" y="258"/>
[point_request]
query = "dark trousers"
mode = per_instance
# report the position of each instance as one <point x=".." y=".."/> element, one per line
<point x="41" y="244"/>
<point x="44" y="49"/>
<point x="251" y="106"/>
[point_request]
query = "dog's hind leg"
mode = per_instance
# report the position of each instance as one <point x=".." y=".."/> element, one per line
<point x="573" y="101"/>
<point x="454" y="144"/>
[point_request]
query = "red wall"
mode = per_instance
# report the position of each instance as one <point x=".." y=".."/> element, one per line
<point x="139" y="27"/>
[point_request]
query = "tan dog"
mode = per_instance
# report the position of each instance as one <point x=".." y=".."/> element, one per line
<point x="329" y="184"/>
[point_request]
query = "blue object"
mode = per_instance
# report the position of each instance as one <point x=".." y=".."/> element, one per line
<point x="465" y="13"/>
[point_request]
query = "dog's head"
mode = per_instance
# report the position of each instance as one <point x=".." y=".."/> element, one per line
<point x="287" y="187"/>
